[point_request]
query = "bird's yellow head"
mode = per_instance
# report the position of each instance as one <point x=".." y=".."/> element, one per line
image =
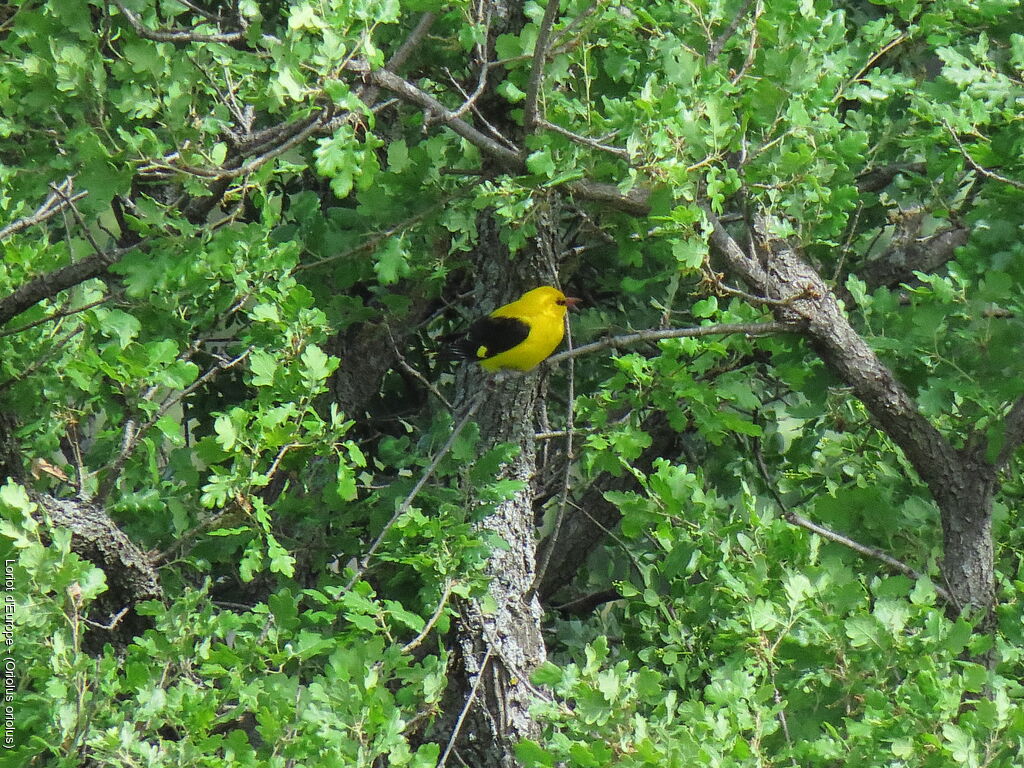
<point x="546" y="299"/>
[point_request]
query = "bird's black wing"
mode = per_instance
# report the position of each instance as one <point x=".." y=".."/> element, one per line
<point x="489" y="336"/>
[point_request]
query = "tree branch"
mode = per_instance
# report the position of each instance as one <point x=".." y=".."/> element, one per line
<point x="633" y="202"/>
<point x="1013" y="433"/>
<point x="56" y="316"/>
<point x="174" y="35"/>
<point x="49" y="285"/>
<point x="827" y="533"/>
<point x="60" y="197"/>
<point x="540" y="57"/>
<point x="132" y="435"/>
<point x="584" y="140"/>
<point x="980" y="169"/>
<point x="960" y="481"/>
<point x="657" y="334"/>
<point x="438" y="111"/>
<point x="719" y="45"/>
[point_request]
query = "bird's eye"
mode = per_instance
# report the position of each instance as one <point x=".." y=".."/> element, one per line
<point x="560" y="302"/>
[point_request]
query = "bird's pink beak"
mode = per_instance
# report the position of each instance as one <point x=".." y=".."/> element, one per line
<point x="571" y="302"/>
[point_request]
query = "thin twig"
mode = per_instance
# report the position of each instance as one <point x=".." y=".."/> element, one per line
<point x="56" y="316"/>
<point x="174" y="35"/>
<point x="634" y="202"/>
<point x="76" y="450"/>
<point x="427" y="474"/>
<point x="563" y="502"/>
<point x="715" y="280"/>
<point x="584" y="140"/>
<point x="161" y="557"/>
<point x="470" y="98"/>
<point x="312" y="125"/>
<point x="112" y="624"/>
<point x="719" y="45"/>
<point x="404" y="365"/>
<point x="69" y="204"/>
<point x="568" y="29"/>
<point x="53" y="205"/>
<point x="115" y="467"/>
<point x="373" y="242"/>
<point x="411" y="42"/>
<point x="465" y="710"/>
<point x="657" y="334"/>
<point x="898" y="40"/>
<point x="415" y="642"/>
<point x="42" y="360"/>
<point x="438" y="111"/>
<point x="980" y="169"/>
<point x="827" y="533"/>
<point x="540" y="56"/>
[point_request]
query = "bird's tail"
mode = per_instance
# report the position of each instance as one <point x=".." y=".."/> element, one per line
<point x="455" y="346"/>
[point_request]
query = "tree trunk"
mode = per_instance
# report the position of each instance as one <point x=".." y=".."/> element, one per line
<point x="960" y="480"/>
<point x="497" y="652"/>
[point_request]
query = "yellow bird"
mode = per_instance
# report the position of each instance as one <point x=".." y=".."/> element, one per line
<point x="517" y="336"/>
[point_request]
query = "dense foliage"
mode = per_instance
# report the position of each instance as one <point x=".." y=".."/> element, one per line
<point x="234" y="235"/>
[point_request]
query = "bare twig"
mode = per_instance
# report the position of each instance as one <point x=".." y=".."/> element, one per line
<point x="132" y="440"/>
<point x="657" y="334"/>
<point x="404" y="365"/>
<point x="438" y="111"/>
<point x="56" y="316"/>
<point x="427" y="474"/>
<point x="567" y="476"/>
<point x="827" y="533"/>
<point x="465" y="710"/>
<point x="633" y="202"/>
<point x="112" y="624"/>
<point x="190" y="535"/>
<point x="540" y="56"/>
<point x="309" y="126"/>
<point x="70" y="205"/>
<point x="980" y="169"/>
<point x="373" y="242"/>
<point x="470" y="98"/>
<point x="174" y="35"/>
<point x="415" y="642"/>
<point x="898" y="40"/>
<point x="369" y="93"/>
<point x="55" y="202"/>
<point x="42" y="360"/>
<point x="718" y="286"/>
<point x="584" y="140"/>
<point x="719" y="45"/>
<point x="568" y="29"/>
<point x="410" y="43"/>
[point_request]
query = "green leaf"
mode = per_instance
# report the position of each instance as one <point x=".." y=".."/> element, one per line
<point x="263" y="366"/>
<point x="531" y="753"/>
<point x="317" y="365"/>
<point x="541" y="163"/>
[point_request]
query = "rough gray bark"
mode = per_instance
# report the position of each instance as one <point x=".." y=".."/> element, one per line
<point x="367" y="353"/>
<point x="961" y="481"/>
<point x="46" y="286"/>
<point x="898" y="264"/>
<point x="131" y="578"/>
